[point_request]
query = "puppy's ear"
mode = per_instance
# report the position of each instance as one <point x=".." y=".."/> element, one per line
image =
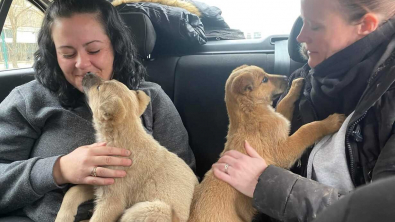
<point x="240" y="67"/>
<point x="243" y="84"/>
<point x="144" y="100"/>
<point x="112" y="110"/>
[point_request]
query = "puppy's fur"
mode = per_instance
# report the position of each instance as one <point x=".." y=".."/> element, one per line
<point x="158" y="186"/>
<point x="175" y="3"/>
<point x="249" y="93"/>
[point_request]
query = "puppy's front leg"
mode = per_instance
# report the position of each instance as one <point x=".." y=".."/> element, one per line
<point x="75" y="196"/>
<point x="108" y="208"/>
<point x="306" y="136"/>
<point x="287" y="104"/>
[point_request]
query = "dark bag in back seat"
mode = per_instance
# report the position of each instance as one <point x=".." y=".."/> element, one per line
<point x="175" y="27"/>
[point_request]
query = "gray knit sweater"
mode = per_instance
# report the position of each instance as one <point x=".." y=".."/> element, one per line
<point x="35" y="130"/>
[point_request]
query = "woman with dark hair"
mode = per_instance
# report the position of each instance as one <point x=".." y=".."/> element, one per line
<point x="46" y="133"/>
<point x="127" y="69"/>
<point x="350" y="70"/>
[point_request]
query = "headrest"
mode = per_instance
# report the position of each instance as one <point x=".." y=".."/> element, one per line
<point x="143" y="32"/>
<point x="293" y="45"/>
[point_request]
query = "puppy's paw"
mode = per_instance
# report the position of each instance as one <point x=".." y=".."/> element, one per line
<point x="299" y="82"/>
<point x="296" y="87"/>
<point x="334" y="122"/>
<point x="64" y="218"/>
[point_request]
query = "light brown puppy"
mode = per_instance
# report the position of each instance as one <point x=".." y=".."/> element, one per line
<point x="249" y="95"/>
<point x="158" y="186"/>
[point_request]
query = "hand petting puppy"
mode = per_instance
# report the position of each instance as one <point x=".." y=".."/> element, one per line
<point x="85" y="165"/>
<point x="239" y="170"/>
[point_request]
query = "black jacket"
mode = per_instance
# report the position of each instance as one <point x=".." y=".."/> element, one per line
<point x="370" y="151"/>
<point x="366" y="204"/>
<point x="174" y="26"/>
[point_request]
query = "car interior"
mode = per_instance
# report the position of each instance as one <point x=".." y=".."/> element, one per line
<point x="195" y="78"/>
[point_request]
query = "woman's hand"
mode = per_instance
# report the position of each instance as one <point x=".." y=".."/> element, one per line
<point x="77" y="167"/>
<point x="242" y="171"/>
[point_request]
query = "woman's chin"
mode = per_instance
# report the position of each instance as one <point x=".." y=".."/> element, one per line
<point x="79" y="87"/>
<point x="313" y="62"/>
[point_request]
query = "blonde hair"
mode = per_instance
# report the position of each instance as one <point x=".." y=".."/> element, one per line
<point x="356" y="9"/>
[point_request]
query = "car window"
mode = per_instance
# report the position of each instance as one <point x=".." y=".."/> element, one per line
<point x="256" y="19"/>
<point x="259" y="18"/>
<point x="19" y="35"/>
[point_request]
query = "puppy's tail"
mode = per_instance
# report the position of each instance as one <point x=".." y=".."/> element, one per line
<point x="174" y="217"/>
<point x="150" y="211"/>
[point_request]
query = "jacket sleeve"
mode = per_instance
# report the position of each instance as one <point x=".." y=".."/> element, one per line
<point x="385" y="166"/>
<point x="23" y="180"/>
<point x="169" y="130"/>
<point x="385" y="115"/>
<point x="289" y="197"/>
<point x="371" y="202"/>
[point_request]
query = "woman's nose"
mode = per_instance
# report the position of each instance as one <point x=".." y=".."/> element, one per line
<point x="83" y="61"/>
<point x="302" y="37"/>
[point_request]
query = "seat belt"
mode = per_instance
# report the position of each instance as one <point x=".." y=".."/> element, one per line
<point x="282" y="61"/>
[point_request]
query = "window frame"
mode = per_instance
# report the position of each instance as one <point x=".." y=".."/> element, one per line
<point x="5" y="6"/>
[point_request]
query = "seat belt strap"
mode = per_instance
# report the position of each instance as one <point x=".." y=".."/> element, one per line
<point x="281" y="57"/>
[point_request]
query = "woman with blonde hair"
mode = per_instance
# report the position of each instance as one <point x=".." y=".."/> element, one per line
<point x="350" y="70"/>
<point x="47" y="139"/>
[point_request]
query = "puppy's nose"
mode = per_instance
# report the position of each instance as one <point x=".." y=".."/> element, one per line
<point x="89" y="75"/>
<point x="89" y="80"/>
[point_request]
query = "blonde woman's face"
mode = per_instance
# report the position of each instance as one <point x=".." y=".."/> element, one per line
<point x="325" y="30"/>
<point x="82" y="46"/>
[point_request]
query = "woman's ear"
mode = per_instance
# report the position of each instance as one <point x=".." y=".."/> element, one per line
<point x="369" y="23"/>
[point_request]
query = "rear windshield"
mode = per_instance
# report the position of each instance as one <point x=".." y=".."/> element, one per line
<point x="259" y="18"/>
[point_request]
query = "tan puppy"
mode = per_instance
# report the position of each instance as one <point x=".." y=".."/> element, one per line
<point x="159" y="185"/>
<point x="175" y="3"/>
<point x="249" y="93"/>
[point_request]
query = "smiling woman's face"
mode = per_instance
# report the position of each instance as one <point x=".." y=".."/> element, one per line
<point x="82" y="46"/>
<point x="325" y="30"/>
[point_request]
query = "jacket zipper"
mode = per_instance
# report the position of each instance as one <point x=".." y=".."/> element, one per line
<point x="349" y="145"/>
<point x="350" y="130"/>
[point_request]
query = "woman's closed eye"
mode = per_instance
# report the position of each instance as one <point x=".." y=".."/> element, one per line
<point x="94" y="52"/>
<point x="315" y="28"/>
<point x="68" y="56"/>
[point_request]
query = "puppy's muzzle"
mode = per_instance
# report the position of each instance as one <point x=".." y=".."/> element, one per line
<point x="281" y="83"/>
<point x="90" y="80"/>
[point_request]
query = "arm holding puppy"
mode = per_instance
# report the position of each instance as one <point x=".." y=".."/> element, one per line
<point x="275" y="191"/>
<point x="242" y="171"/>
<point x="77" y="166"/>
<point x="34" y="143"/>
